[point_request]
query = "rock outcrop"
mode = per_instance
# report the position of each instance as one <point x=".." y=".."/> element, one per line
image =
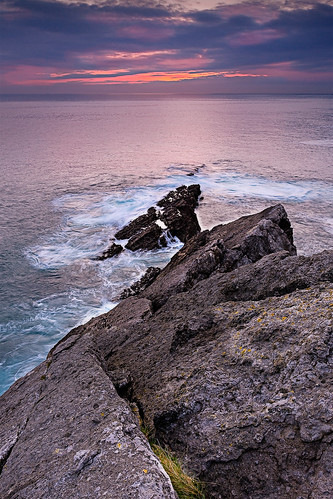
<point x="227" y="356"/>
<point x="173" y="216"/>
<point x="177" y="212"/>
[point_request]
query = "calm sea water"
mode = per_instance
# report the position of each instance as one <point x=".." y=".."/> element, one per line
<point x="72" y="173"/>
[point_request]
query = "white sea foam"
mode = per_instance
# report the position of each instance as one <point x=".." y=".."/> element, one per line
<point x="236" y="185"/>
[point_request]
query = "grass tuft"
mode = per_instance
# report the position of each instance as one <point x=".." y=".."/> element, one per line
<point x="185" y="486"/>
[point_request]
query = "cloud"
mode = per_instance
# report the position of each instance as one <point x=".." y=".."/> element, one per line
<point x="158" y="38"/>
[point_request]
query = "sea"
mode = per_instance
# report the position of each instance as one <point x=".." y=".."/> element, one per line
<point x="74" y="171"/>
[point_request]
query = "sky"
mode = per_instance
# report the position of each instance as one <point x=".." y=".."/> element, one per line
<point x="167" y="47"/>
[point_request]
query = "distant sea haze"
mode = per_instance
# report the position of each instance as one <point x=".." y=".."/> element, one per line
<point x="73" y="172"/>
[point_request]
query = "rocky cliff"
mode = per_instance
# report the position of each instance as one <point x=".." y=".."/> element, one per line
<point x="226" y="356"/>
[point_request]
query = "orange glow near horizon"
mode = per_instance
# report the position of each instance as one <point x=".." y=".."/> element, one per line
<point x="149" y="77"/>
<point x="29" y="75"/>
<point x="138" y="78"/>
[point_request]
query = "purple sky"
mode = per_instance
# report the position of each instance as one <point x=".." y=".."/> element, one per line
<point x="193" y="46"/>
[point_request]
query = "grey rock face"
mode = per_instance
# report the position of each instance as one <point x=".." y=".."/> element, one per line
<point x="67" y="433"/>
<point x="225" y="247"/>
<point x="239" y="388"/>
<point x="228" y="357"/>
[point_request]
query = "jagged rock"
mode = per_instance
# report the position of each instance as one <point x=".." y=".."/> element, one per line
<point x="176" y="215"/>
<point x="178" y="212"/>
<point x="147" y="239"/>
<point x="113" y="250"/>
<point x="225" y="247"/>
<point x="136" y="225"/>
<point x="140" y="285"/>
<point x="227" y="355"/>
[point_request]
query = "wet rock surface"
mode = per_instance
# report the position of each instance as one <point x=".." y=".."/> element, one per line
<point x="178" y="212"/>
<point x="138" y="224"/>
<point x="228" y="357"/>
<point x="173" y="216"/>
<point x="147" y="239"/>
<point x="113" y="250"/>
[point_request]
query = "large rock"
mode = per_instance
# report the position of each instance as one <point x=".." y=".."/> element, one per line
<point x="175" y="213"/>
<point x="240" y="389"/>
<point x="227" y="356"/>
<point x="225" y="247"/>
<point x="178" y="212"/>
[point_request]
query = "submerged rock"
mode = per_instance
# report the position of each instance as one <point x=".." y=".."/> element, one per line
<point x="228" y="356"/>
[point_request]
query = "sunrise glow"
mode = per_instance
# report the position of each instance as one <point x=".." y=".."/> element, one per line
<point x="195" y="47"/>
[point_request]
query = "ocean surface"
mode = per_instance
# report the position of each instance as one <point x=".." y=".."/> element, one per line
<point x="72" y="173"/>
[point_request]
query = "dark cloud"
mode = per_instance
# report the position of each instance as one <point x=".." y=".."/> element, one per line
<point x="50" y="33"/>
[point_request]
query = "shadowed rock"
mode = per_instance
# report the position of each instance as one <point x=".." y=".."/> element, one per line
<point x="178" y="212"/>
<point x="147" y="239"/>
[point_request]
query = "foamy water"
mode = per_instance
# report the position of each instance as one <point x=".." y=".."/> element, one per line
<point x="70" y="186"/>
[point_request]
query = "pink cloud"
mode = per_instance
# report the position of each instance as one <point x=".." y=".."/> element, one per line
<point x="27" y="75"/>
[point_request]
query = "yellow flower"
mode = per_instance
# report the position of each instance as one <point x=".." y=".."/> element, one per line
<point x="145" y="471"/>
